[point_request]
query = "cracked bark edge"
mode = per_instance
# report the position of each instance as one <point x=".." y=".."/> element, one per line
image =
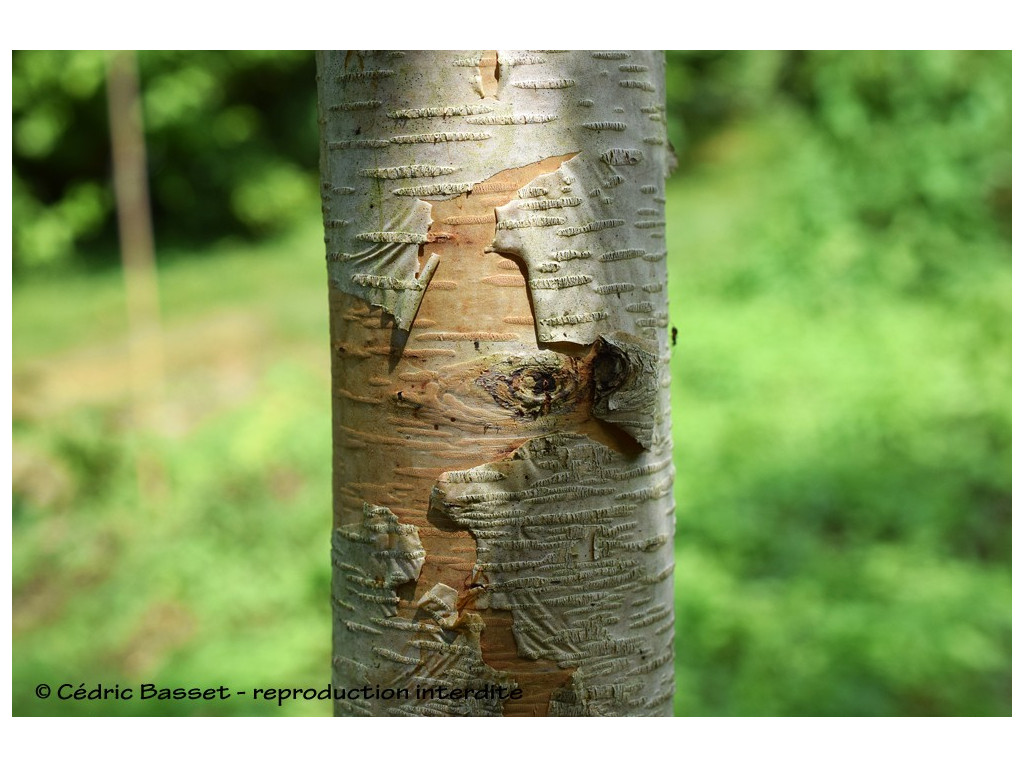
<point x="575" y="540"/>
<point x="434" y="123"/>
<point x="405" y="647"/>
<point x="626" y="382"/>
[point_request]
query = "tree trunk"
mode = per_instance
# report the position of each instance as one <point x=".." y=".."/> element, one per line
<point x="138" y="258"/>
<point x="502" y="452"/>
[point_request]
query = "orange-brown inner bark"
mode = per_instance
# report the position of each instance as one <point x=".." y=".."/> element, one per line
<point x="399" y="425"/>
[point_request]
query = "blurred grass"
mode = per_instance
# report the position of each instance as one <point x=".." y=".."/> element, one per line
<point x="213" y="579"/>
<point x="842" y="454"/>
<point x="840" y="281"/>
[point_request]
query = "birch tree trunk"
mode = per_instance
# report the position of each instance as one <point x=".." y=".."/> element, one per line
<point x="502" y="458"/>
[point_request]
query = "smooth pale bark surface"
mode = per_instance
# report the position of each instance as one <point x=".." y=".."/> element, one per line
<point x="502" y="472"/>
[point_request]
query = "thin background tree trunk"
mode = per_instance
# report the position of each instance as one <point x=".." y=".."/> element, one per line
<point x="135" y="229"/>
<point x="502" y="457"/>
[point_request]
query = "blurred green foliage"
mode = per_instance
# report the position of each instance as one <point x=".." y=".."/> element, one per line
<point x="231" y="142"/>
<point x="839" y="236"/>
<point x="841" y="279"/>
<point x="896" y="161"/>
<point x="215" y="570"/>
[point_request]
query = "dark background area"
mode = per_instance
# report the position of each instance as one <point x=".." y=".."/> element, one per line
<point x="839" y="244"/>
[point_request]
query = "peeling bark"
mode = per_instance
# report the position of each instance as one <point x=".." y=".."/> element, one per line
<point x="503" y="507"/>
<point x="569" y="540"/>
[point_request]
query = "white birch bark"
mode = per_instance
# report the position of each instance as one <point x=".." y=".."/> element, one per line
<point x="503" y="463"/>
